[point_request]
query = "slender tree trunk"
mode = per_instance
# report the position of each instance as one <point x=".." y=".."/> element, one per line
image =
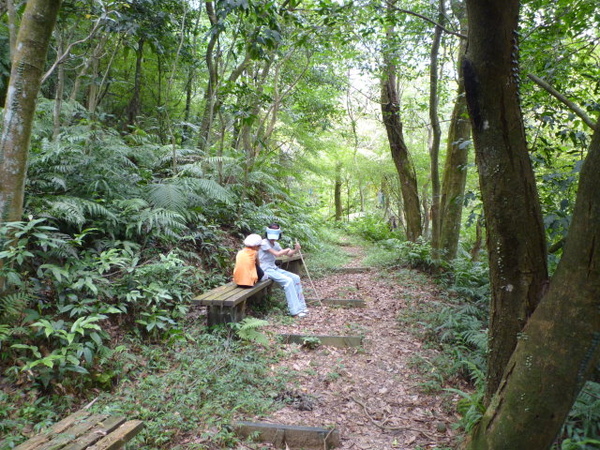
<point x="559" y="349"/>
<point x="60" y="88"/>
<point x="408" y="179"/>
<point x="436" y="133"/>
<point x="515" y="232"/>
<point x="337" y="192"/>
<point x="210" y="95"/>
<point x="457" y="154"/>
<point x="135" y="104"/>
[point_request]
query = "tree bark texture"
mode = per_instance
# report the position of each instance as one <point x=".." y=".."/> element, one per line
<point x="457" y="155"/>
<point x="515" y="232"/>
<point x="26" y="74"/>
<point x="559" y="349"/>
<point x="390" y="108"/>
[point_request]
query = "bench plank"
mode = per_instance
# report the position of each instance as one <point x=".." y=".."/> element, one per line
<point x="120" y="436"/>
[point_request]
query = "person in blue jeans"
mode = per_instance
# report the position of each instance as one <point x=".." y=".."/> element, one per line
<point x="290" y="282"/>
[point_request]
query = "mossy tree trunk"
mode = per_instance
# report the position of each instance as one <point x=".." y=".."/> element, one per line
<point x="515" y="233"/>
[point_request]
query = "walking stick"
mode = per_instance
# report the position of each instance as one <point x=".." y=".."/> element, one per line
<point x="309" y="278"/>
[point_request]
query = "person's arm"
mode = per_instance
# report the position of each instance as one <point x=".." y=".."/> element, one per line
<point x="285" y="251"/>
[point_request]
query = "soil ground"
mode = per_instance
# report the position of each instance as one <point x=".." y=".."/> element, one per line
<point x="373" y="395"/>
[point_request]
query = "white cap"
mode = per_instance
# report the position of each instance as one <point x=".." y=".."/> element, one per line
<point x="252" y="240"/>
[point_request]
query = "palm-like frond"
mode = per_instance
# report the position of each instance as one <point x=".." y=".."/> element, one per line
<point x="167" y="196"/>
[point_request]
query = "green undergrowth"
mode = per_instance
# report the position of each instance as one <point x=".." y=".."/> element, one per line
<point x="189" y="394"/>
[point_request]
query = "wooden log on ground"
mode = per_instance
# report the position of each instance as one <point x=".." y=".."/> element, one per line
<point x="348" y="302"/>
<point x="120" y="436"/>
<point x="290" y="436"/>
<point x="333" y="341"/>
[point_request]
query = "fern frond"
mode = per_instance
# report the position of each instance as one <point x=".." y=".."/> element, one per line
<point x="12" y="305"/>
<point x="168" y="196"/>
<point x="205" y="189"/>
<point x="247" y="330"/>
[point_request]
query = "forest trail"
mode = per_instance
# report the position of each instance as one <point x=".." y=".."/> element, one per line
<point x="373" y="395"/>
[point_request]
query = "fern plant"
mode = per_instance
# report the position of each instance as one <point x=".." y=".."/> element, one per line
<point x="248" y="330"/>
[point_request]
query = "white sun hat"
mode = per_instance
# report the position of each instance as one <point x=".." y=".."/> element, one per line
<point x="252" y="240"/>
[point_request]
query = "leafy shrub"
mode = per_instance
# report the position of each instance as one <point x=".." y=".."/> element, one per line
<point x="372" y="228"/>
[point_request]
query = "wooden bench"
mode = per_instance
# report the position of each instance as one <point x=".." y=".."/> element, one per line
<point x="227" y="303"/>
<point x="290" y="263"/>
<point x="85" y="430"/>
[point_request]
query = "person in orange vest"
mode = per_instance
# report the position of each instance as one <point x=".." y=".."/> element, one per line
<point x="247" y="271"/>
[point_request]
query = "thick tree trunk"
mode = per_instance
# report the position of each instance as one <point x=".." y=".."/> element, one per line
<point x="26" y="74"/>
<point x="436" y="133"/>
<point x="25" y="78"/>
<point x="559" y="349"/>
<point x="515" y="232"/>
<point x="457" y="153"/>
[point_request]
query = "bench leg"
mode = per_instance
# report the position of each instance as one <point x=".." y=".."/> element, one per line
<point x="216" y="315"/>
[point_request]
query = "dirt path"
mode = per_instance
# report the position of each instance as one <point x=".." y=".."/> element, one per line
<point x="372" y="395"/>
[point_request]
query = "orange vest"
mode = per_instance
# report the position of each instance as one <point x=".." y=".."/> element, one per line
<point x="244" y="272"/>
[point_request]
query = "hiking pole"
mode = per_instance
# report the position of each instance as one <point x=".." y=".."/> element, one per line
<point x="309" y="278"/>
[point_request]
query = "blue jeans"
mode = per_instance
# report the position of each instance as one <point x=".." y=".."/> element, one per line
<point x="290" y="282"/>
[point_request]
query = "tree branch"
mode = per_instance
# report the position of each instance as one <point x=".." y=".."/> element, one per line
<point x="426" y="19"/>
<point x="572" y="106"/>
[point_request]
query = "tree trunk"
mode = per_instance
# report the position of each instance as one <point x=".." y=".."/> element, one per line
<point x="60" y="89"/>
<point x="27" y="69"/>
<point x="455" y="168"/>
<point x="26" y="74"/>
<point x="337" y="192"/>
<point x="559" y="348"/>
<point x="436" y="133"/>
<point x="515" y="232"/>
<point x="135" y="104"/>
<point x="406" y="171"/>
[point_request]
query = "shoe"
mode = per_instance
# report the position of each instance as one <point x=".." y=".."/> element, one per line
<point x="300" y="314"/>
<point x="305" y="311"/>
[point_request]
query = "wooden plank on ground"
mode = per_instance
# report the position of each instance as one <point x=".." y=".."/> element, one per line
<point x="333" y="341"/>
<point x="351" y="269"/>
<point x="350" y="302"/>
<point x="77" y="429"/>
<point x="120" y="436"/>
<point x="98" y="432"/>
<point x="290" y="436"/>
<point x="58" y="427"/>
